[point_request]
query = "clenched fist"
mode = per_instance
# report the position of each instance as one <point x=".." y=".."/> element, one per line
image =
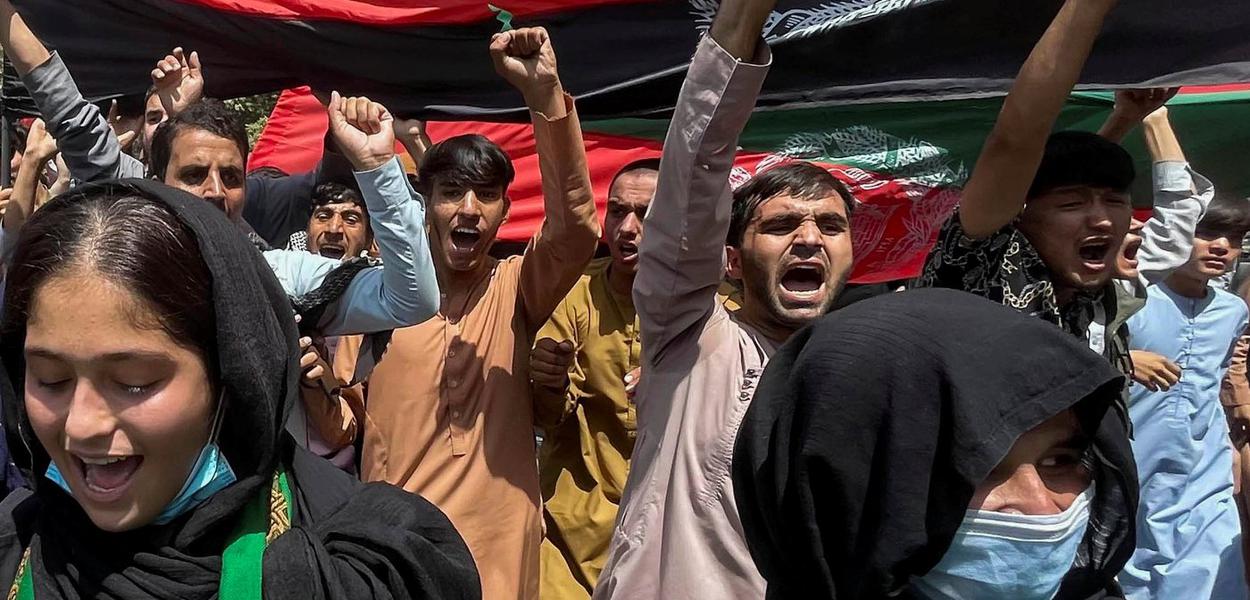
<point x="363" y="130"/>
<point x="549" y="363"/>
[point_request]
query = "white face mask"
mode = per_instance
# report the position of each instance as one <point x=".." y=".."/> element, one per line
<point x="1003" y="555"/>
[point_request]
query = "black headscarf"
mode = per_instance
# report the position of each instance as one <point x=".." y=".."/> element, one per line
<point x="872" y="428"/>
<point x="347" y="540"/>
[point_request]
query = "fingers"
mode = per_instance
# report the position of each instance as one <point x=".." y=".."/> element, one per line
<point x="335" y="109"/>
<point x="559" y="354"/>
<point x="316" y="372"/>
<point x="305" y="342"/>
<point x="127" y="138"/>
<point x="194" y="63"/>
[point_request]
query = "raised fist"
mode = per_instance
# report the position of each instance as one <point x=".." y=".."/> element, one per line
<point x="525" y="58"/>
<point x="363" y="130"/>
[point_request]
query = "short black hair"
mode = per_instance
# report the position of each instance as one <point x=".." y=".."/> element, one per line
<point x="471" y="161"/>
<point x="268" y="172"/>
<point x="799" y="179"/>
<point x="1227" y="214"/>
<point x="1082" y="158"/>
<point x="642" y="164"/>
<point x="206" y="115"/>
<point x="337" y="193"/>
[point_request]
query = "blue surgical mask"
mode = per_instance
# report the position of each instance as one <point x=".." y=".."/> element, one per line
<point x="1002" y="555"/>
<point x="210" y="474"/>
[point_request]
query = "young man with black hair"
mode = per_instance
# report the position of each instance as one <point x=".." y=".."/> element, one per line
<point x="339" y="225"/>
<point x="1188" y="526"/>
<point x="583" y="366"/>
<point x="448" y="412"/>
<point x="786" y="235"/>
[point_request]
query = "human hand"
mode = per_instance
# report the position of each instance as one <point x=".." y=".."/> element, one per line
<point x="1136" y="105"/>
<point x="179" y="81"/>
<point x="632" y="378"/>
<point x="1238" y="424"/>
<point x="408" y="129"/>
<point x="40" y="146"/>
<point x="311" y="364"/>
<point x="1153" y="371"/>
<point x="550" y="362"/>
<point x="6" y="197"/>
<point x="363" y="130"/>
<point x="63" y="177"/>
<point x="527" y="61"/>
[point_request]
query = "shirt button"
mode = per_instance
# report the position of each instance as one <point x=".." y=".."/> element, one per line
<point x="455" y="414"/>
<point x="454" y="383"/>
<point x="451" y="353"/>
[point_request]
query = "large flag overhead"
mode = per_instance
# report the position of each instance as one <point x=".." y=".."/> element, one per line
<point x="905" y="161"/>
<point x="623" y="57"/>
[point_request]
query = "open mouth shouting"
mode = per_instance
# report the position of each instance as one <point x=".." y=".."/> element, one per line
<point x="1094" y="253"/>
<point x="801" y="283"/>
<point x="629" y="251"/>
<point x="107" y="477"/>
<point x="464" y="240"/>
<point x="332" y="250"/>
<point x="1132" y="243"/>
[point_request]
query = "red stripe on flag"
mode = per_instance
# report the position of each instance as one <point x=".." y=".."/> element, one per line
<point x="1215" y="89"/>
<point x="893" y="227"/>
<point x="398" y="12"/>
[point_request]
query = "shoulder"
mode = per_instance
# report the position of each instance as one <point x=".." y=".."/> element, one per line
<point x="1232" y="302"/>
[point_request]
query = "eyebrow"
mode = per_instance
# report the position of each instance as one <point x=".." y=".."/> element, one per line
<point x="794" y="216"/>
<point x="123" y="356"/>
<point x="1076" y="441"/>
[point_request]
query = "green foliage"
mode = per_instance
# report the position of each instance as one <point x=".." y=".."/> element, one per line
<point x="254" y="110"/>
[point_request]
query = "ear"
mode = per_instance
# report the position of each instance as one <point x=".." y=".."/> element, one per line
<point x="507" y="208"/>
<point x="733" y="262"/>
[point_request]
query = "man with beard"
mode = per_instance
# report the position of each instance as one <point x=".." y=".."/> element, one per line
<point x="339" y="225"/>
<point x="786" y="235"/>
<point x="583" y="366"/>
<point x="448" y="412"/>
<point x="1041" y="220"/>
<point x="203" y="149"/>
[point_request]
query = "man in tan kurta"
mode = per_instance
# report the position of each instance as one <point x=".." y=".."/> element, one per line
<point x="448" y="412"/>
<point x="579" y="367"/>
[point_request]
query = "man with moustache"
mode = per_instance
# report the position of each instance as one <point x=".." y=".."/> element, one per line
<point x="584" y="364"/>
<point x="786" y="235"/>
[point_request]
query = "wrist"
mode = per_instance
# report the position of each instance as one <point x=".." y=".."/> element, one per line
<point x="542" y="97"/>
<point x="37" y="161"/>
<point x="371" y="162"/>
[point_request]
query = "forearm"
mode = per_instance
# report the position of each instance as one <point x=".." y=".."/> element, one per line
<point x="82" y="134"/>
<point x="397" y="217"/>
<point x="21" y="46"/>
<point x="1117" y="127"/>
<point x="551" y="406"/>
<point x="996" y="192"/>
<point x="681" y="261"/>
<point x="25" y="187"/>
<point x="1181" y="197"/>
<point x="1161" y="139"/>
<point x="738" y="24"/>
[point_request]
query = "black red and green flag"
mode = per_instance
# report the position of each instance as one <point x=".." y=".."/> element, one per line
<point x="623" y="57"/>
<point x="905" y="161"/>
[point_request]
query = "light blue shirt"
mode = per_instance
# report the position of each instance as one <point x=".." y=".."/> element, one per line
<point x="1188" y="528"/>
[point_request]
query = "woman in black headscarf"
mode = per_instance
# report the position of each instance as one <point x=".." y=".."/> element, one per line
<point x="932" y="444"/>
<point x="150" y="361"/>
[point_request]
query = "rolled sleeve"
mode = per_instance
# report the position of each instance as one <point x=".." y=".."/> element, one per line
<point x="1181" y="197"/>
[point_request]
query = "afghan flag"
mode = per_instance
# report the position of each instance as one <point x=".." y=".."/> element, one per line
<point x="623" y="57"/>
<point x="905" y="161"/>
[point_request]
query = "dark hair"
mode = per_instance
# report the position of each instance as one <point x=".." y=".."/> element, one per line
<point x="130" y="240"/>
<point x="1082" y="158"/>
<point x="799" y="179"/>
<point x="206" y="115"/>
<point x="268" y="172"/>
<point x="1227" y="214"/>
<point x="336" y="193"/>
<point x="642" y="164"/>
<point x="466" y="160"/>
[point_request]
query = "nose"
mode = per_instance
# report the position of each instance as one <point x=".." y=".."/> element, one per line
<point x="1220" y="245"/>
<point x="1025" y="492"/>
<point x="336" y="225"/>
<point x="88" y="418"/>
<point x="213" y="188"/>
<point x="632" y="225"/>
<point x="808" y="235"/>
<point x="1100" y="216"/>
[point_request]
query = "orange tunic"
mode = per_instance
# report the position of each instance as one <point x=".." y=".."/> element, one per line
<point x="448" y="412"/>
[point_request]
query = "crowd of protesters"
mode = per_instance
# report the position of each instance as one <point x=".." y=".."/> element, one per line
<point x="327" y="385"/>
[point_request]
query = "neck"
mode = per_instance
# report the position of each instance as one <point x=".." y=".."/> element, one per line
<point x="620" y="281"/>
<point x="1187" y="286"/>
<point x="1064" y="295"/>
<point x="773" y="330"/>
<point x="452" y="282"/>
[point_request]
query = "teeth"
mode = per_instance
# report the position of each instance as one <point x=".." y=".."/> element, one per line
<point x="102" y="461"/>
<point x="468" y="230"/>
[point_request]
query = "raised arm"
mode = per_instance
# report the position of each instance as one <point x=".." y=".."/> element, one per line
<point x="682" y="258"/>
<point x="40" y="148"/>
<point x="84" y="136"/>
<point x="995" y="192"/>
<point x="1131" y="107"/>
<point x="566" y="241"/>
<point x="1181" y="197"/>
<point x="404" y="291"/>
